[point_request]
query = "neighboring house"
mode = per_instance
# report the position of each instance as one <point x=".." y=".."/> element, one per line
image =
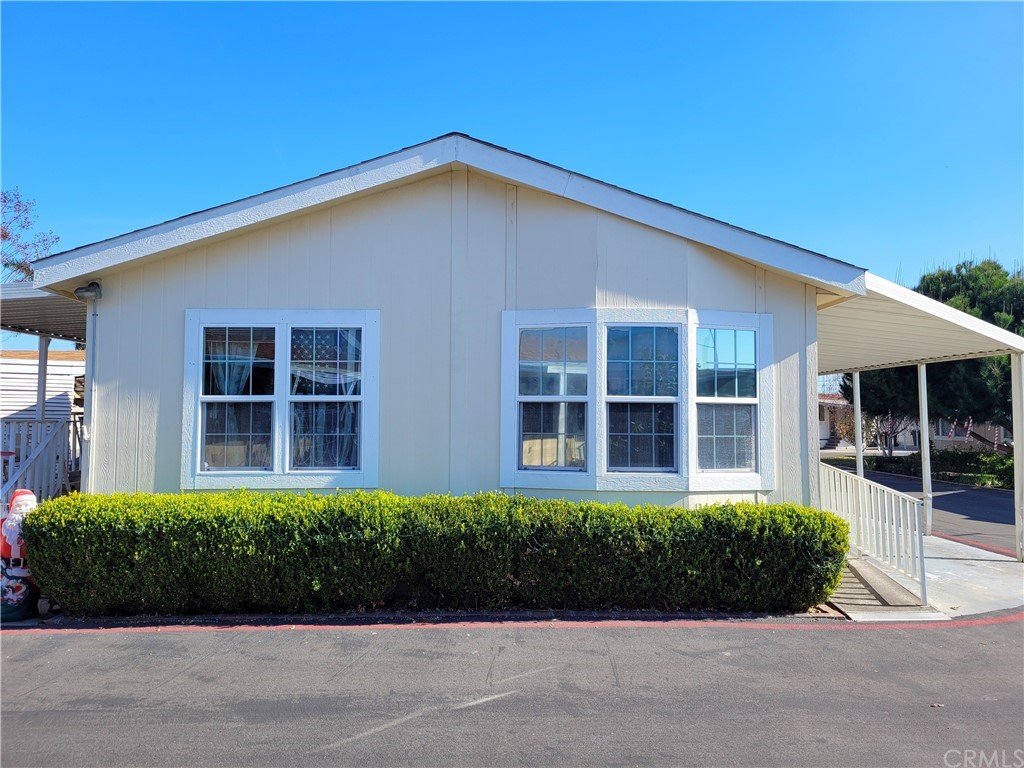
<point x="455" y="317"/>
<point x="833" y="412"/>
<point x="835" y="420"/>
<point x="19" y="383"/>
<point x="970" y="436"/>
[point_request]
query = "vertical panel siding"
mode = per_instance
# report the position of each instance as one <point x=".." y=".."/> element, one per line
<point x="478" y="295"/>
<point x="720" y="281"/>
<point x="556" y="252"/>
<point x="150" y="287"/>
<point x="129" y="335"/>
<point x="785" y="300"/>
<point x="169" y="367"/>
<point x="638" y="266"/>
<point x="411" y="252"/>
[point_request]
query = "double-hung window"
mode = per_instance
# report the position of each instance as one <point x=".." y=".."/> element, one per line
<point x="237" y="398"/>
<point x="325" y="394"/>
<point x="726" y="399"/>
<point x="278" y="398"/>
<point x="552" y="398"/>
<point x="642" y="393"/>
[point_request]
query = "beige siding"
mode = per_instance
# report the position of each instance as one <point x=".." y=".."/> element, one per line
<point x="440" y="258"/>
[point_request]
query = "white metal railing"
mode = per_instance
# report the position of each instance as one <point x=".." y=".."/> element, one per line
<point x="884" y="524"/>
<point x="40" y="457"/>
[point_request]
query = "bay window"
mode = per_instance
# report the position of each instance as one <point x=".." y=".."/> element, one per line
<point x="636" y="400"/>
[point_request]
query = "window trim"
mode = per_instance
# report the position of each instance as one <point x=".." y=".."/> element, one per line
<point x="763" y="478"/>
<point x="510" y="474"/>
<point x="686" y="478"/>
<point x="280" y="476"/>
<point x="643" y="479"/>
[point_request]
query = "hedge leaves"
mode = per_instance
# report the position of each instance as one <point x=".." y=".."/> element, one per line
<point x="251" y="552"/>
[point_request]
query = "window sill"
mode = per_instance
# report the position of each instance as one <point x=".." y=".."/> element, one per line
<point x="544" y="480"/>
<point x="219" y="481"/>
<point x="712" y="482"/>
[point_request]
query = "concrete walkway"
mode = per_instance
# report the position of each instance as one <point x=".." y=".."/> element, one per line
<point x="962" y="581"/>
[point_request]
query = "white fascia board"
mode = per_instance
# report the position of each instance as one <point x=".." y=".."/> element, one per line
<point x="813" y="267"/>
<point x="196" y="227"/>
<point x="1010" y="341"/>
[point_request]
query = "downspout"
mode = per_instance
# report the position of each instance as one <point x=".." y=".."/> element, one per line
<point x="89" y="293"/>
<point x="90" y="391"/>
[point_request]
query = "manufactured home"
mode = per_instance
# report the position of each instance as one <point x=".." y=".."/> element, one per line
<point x="456" y="317"/>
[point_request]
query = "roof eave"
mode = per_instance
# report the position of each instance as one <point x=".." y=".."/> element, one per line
<point x="191" y="230"/>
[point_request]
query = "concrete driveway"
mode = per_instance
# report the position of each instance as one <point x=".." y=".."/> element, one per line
<point x="979" y="515"/>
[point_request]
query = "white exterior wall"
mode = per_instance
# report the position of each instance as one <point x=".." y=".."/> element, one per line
<point x="440" y="258"/>
<point x="19" y="382"/>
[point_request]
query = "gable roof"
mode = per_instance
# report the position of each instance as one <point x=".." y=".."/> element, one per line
<point x="431" y="157"/>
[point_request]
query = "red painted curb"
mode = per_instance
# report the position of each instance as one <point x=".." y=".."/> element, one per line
<point x="976" y="544"/>
<point x="533" y="624"/>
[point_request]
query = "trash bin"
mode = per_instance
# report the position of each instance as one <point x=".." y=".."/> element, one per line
<point x="20" y="594"/>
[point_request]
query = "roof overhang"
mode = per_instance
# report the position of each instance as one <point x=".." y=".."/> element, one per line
<point x="893" y="326"/>
<point x="453" y="150"/>
<point x="25" y="309"/>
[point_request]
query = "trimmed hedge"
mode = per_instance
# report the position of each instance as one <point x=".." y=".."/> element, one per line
<point x="246" y="552"/>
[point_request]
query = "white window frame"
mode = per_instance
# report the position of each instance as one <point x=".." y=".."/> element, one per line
<point x="687" y="477"/>
<point x="280" y="475"/>
<point x="642" y="479"/>
<point x="511" y="475"/>
<point x="763" y="478"/>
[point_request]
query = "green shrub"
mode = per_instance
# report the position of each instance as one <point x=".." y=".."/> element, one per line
<point x="984" y="468"/>
<point x="245" y="552"/>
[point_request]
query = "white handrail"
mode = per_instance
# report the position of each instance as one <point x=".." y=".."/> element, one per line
<point x="45" y="470"/>
<point x="884" y="524"/>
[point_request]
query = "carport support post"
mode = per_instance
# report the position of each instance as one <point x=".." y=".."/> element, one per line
<point x="926" y="448"/>
<point x="43" y="361"/>
<point x="1017" y="395"/>
<point x="858" y="430"/>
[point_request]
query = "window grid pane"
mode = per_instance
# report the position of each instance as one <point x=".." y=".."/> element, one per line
<point x="553" y="435"/>
<point x="238" y="361"/>
<point x="641" y="436"/>
<point x="726" y="363"/>
<point x="237" y="436"/>
<point x="326" y="362"/>
<point x="553" y="362"/>
<point x="643" y="361"/>
<point x="325" y="435"/>
<point x="725" y="437"/>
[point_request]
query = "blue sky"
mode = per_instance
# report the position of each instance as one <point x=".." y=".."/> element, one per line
<point x="888" y="135"/>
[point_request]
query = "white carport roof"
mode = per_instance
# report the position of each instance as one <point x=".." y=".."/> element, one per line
<point x="893" y="326"/>
<point x="25" y="309"/>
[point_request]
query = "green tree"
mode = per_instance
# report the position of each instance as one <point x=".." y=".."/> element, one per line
<point x="965" y="389"/>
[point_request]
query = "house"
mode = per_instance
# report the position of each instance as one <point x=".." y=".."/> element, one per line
<point x="456" y="317"/>
<point x="19" y="383"/>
